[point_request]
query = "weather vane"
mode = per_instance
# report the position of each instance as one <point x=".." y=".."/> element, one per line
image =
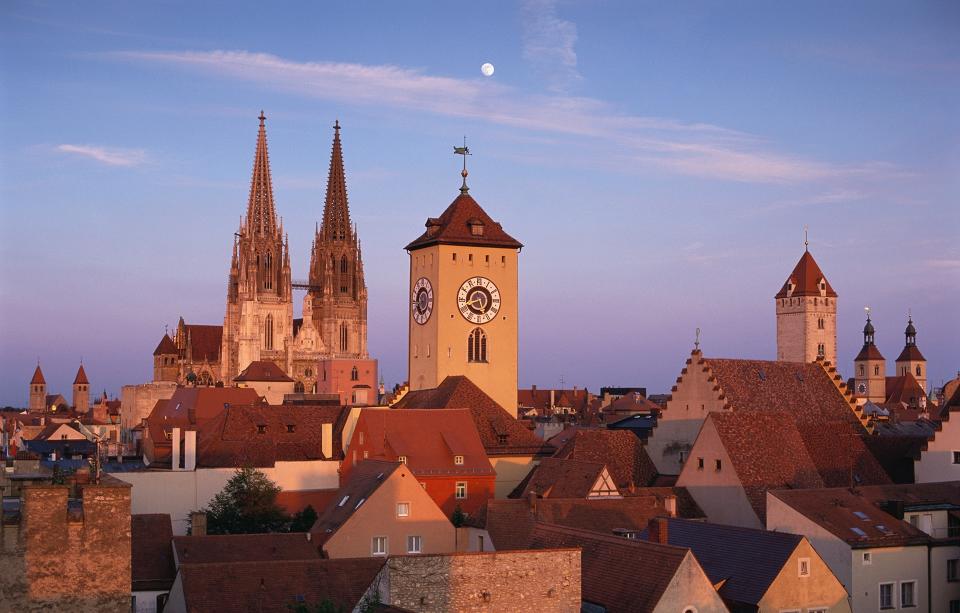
<point x="806" y="240"/>
<point x="464" y="151"/>
<point x="867" y="309"/>
<point x="696" y="343"/>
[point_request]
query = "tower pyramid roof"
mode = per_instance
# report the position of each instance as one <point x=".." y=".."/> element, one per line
<point x="336" y="210"/>
<point x="261" y="215"/>
<point x="464" y="223"/>
<point x="81" y="377"/>
<point x="806" y="277"/>
<point x="38" y="377"/>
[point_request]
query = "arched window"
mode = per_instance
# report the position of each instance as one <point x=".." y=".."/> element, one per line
<point x="267" y="272"/>
<point x="343" y="264"/>
<point x="268" y="332"/>
<point x="861" y="370"/>
<point x="298" y="387"/>
<point x="344" y="286"/>
<point x="477" y="346"/>
<point x="918" y="370"/>
<point x="354" y="374"/>
<point x="344" y="338"/>
<point x="876" y="370"/>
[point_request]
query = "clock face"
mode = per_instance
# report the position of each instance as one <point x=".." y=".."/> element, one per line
<point x="422" y="300"/>
<point x="478" y="300"/>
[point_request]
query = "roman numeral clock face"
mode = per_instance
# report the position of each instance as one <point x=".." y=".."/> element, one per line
<point x="478" y="300"/>
<point x="422" y="305"/>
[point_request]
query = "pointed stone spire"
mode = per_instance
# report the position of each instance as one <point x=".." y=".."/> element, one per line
<point x="336" y="211"/>
<point x="81" y="378"/>
<point x="261" y="216"/>
<point x="38" y="377"/>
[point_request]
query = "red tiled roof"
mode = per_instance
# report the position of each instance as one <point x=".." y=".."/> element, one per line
<point x="869" y="351"/>
<point x="619" y="574"/>
<point x="539" y="399"/>
<point x="244" y="548"/>
<point x="806" y="277"/>
<point x="912" y="354"/>
<point x="262" y="370"/>
<point x="165" y="346"/>
<point x="632" y="402"/>
<point x="365" y="478"/>
<point x="622" y="452"/>
<point x="562" y="478"/>
<point x="151" y="555"/>
<point x="261" y="435"/>
<point x="37" y="377"/>
<point x="204" y="341"/>
<point x="81" y="378"/>
<point x="454" y="228"/>
<point x="294" y="501"/>
<point x="903" y="388"/>
<point x="272" y="587"/>
<point x="492" y="421"/>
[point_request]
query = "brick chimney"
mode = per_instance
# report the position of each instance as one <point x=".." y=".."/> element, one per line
<point x="198" y="523"/>
<point x="532" y="502"/>
<point x="670" y="504"/>
<point x="657" y="531"/>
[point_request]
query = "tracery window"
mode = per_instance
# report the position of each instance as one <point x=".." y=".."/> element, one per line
<point x="477" y="346"/>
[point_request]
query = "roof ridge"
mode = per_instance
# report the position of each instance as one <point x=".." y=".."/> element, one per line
<point x="600" y="536"/>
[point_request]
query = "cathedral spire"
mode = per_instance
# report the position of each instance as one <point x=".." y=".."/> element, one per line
<point x="261" y="216"/>
<point x="336" y="211"/>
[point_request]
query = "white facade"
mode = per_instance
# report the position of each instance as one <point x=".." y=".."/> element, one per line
<point x="940" y="461"/>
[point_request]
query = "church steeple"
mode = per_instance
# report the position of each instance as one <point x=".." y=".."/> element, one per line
<point x="336" y="210"/>
<point x="261" y="215"/>
<point x="911" y="361"/>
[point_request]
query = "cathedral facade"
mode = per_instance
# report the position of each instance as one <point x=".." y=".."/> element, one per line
<point x="259" y="323"/>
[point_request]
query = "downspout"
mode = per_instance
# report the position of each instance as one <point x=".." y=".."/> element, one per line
<point x="929" y="577"/>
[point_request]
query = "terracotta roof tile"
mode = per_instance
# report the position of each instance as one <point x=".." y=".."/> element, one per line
<point x="204" y="341"/>
<point x="165" y="346"/>
<point x="37" y="377"/>
<point x="562" y="478"/>
<point x="294" y="501"/>
<point x="365" y="478"/>
<point x="911" y="353"/>
<point x="151" y="557"/>
<point x="805" y="277"/>
<point x="222" y="548"/>
<point x="453" y="227"/>
<point x="262" y="370"/>
<point x="623" y="453"/>
<point x="869" y="351"/>
<point x="903" y="389"/>
<point x="81" y="378"/>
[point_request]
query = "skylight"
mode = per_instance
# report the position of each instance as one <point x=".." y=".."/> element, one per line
<point x="861" y="515"/>
<point x="859" y="532"/>
<point x="343" y="501"/>
<point x="358" y="504"/>
<point x="886" y="531"/>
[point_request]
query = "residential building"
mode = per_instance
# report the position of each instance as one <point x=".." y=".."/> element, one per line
<point x="624" y="455"/>
<point x="568" y="478"/>
<point x="892" y="547"/>
<point x="267" y="380"/>
<point x="151" y="561"/>
<point x="441" y="448"/>
<point x="940" y="456"/>
<point x="224" y="548"/>
<point x="382" y="509"/>
<point x="549" y="402"/>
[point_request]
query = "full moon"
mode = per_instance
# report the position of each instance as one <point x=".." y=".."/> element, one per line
<point x="487" y="69"/>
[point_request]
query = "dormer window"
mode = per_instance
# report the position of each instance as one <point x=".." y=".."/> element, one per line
<point x="261" y="429"/>
<point x="458" y="460"/>
<point x="790" y="287"/>
<point x="502" y="439"/>
<point x="291" y="428"/>
<point x="476" y="227"/>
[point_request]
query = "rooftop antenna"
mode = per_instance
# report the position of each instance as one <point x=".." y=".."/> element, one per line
<point x="696" y="343"/>
<point x="464" y="151"/>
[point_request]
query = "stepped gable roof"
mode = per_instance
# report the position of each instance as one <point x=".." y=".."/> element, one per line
<point x="165" y="346"/>
<point x="429" y="440"/>
<point x="364" y="480"/>
<point x="220" y="548"/>
<point x="274" y="586"/>
<point x="500" y="433"/>
<point x="618" y="574"/>
<point x="903" y="389"/>
<point x="81" y="378"/>
<point x="869" y="351"/>
<point x="262" y="370"/>
<point x="805" y="278"/>
<point x="205" y="342"/>
<point x="262" y="435"/>
<point x="852" y="517"/>
<point x="38" y="377"/>
<point x="767" y="453"/>
<point x="562" y="478"/>
<point x="454" y="227"/>
<point x="621" y="451"/>
<point x="911" y="353"/>
<point x="151" y="556"/>
<point x="745" y="561"/>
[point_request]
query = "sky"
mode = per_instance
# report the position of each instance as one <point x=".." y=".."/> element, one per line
<point x="659" y="161"/>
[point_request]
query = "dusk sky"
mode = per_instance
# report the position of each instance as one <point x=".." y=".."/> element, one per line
<point x="659" y="161"/>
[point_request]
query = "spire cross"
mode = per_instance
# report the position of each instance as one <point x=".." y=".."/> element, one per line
<point x="806" y="240"/>
<point x="464" y="151"/>
<point x="262" y="118"/>
<point x="696" y="343"/>
<point x="336" y="125"/>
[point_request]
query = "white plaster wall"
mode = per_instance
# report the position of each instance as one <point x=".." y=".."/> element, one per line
<point x="889" y="564"/>
<point x="690" y="588"/>
<point x="943" y="591"/>
<point x="936" y="462"/>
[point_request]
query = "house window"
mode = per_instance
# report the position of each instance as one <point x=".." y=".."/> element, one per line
<point x="501" y="439"/>
<point x="477" y="346"/>
<point x="803" y="567"/>
<point x="699" y="463"/>
<point x="403" y="509"/>
<point x="867" y="558"/>
<point x="956" y="457"/>
<point x="414" y="544"/>
<point x="343" y="501"/>
<point x="360" y="437"/>
<point x="378" y="546"/>
<point x="402" y="459"/>
<point x="681" y="456"/>
<point x="953" y="570"/>
<point x="291" y="428"/>
<point x="461" y="490"/>
<point x="886" y="595"/>
<point x="261" y="429"/>
<point x="458" y="460"/>
<point x="479" y="542"/>
<point x="908" y="593"/>
<point x="366" y="454"/>
<point x="719" y="465"/>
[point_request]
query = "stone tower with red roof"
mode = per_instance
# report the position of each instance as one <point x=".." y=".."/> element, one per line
<point x="463" y="302"/>
<point x="911" y="361"/>
<point x="38" y="390"/>
<point x="870" y="376"/>
<point x="806" y="315"/>
<point x="81" y="391"/>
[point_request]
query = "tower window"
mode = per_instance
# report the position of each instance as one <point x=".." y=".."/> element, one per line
<point x="477" y="346"/>
<point x="820" y="323"/>
<point x="344" y="338"/>
<point x="861" y="370"/>
<point x="918" y="370"/>
<point x="268" y="333"/>
<point x="876" y="370"/>
<point x="454" y="257"/>
<point x="267" y="272"/>
<point x="354" y="374"/>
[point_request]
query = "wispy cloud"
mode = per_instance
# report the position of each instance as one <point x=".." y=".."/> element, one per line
<point x="944" y="264"/>
<point x="690" y="148"/>
<point x="548" y="43"/>
<point x="106" y="155"/>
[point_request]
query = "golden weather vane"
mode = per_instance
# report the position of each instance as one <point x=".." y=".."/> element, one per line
<point x="464" y="151"/>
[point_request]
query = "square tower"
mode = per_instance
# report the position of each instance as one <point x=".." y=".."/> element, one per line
<point x="463" y="302"/>
<point x="806" y="315"/>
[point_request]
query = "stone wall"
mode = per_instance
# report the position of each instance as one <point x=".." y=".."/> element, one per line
<point x="546" y="580"/>
<point x="72" y="557"/>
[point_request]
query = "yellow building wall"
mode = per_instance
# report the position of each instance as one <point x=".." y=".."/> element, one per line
<point x="820" y="589"/>
<point x="511" y="470"/>
<point x="438" y="348"/>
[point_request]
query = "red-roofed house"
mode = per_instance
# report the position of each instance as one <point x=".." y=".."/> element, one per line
<point x="267" y="379"/>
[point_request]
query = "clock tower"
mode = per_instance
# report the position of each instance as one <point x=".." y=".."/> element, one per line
<point x="463" y="301"/>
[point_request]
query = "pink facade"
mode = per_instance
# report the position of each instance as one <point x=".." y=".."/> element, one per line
<point x="355" y="380"/>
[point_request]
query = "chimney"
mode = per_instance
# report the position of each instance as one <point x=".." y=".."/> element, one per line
<point x="552" y="399"/>
<point x="670" y="504"/>
<point x="657" y="531"/>
<point x="190" y="450"/>
<point x="175" y="449"/>
<point x="326" y="440"/>
<point x="198" y="523"/>
<point x="532" y="501"/>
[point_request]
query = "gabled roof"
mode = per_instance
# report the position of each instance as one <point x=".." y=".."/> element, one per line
<point x="81" y="378"/>
<point x="244" y="548"/>
<point x="364" y="480"/>
<point x="745" y="560"/>
<point x="493" y="423"/>
<point x="539" y="399"/>
<point x="620" y="450"/>
<point x="262" y="435"/>
<point x="618" y="574"/>
<point x="38" y="377"/>
<point x="805" y="278"/>
<point x="165" y="346"/>
<point x="632" y="402"/>
<point x="911" y="353"/>
<point x="453" y="227"/>
<point x="276" y="585"/>
<point x="903" y="388"/>
<point x="562" y="478"/>
<point x="191" y="407"/>
<point x="151" y="556"/>
<point x="263" y="370"/>
<point x="869" y="351"/>
<point x="205" y="342"/>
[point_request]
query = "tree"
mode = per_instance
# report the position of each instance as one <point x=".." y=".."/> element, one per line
<point x="246" y="505"/>
<point x="303" y="520"/>
<point x="458" y="517"/>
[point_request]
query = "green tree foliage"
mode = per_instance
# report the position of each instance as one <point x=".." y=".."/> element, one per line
<point x="303" y="520"/>
<point x="458" y="517"/>
<point x="246" y="505"/>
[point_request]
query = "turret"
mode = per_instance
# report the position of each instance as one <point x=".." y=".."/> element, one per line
<point x="81" y="391"/>
<point x="870" y="377"/>
<point x="911" y="361"/>
<point x="38" y="390"/>
<point x="806" y="308"/>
